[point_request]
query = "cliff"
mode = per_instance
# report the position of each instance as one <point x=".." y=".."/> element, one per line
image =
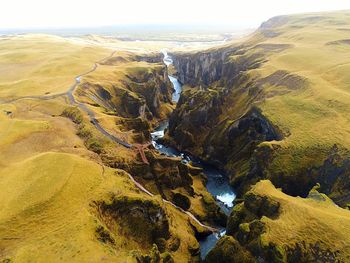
<point x="260" y="108"/>
<point x="134" y="89"/>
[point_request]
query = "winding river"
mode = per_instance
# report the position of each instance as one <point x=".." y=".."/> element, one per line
<point x="217" y="183"/>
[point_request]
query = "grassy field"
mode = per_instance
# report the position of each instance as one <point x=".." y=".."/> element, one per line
<point x="39" y="64"/>
<point x="51" y="177"/>
<point x="47" y="214"/>
<point x="318" y="52"/>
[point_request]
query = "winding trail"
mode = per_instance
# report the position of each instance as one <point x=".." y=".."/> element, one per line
<point x="140" y="148"/>
<point x="189" y="214"/>
<point x="90" y="113"/>
<point x="94" y="121"/>
<point x="82" y="106"/>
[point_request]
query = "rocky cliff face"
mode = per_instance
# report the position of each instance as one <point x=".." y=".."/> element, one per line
<point x="144" y="220"/>
<point x="141" y="94"/>
<point x="153" y="89"/>
<point x="221" y="117"/>
<point x="138" y="89"/>
<point x="202" y="68"/>
<point x="182" y="184"/>
<point x="216" y="119"/>
<point x="207" y="67"/>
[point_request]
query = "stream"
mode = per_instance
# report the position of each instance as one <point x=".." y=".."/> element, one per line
<point x="217" y="183"/>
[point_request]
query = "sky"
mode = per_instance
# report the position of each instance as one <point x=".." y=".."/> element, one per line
<point x="88" y="13"/>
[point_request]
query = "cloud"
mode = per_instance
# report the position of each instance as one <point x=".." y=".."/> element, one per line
<point x="85" y="13"/>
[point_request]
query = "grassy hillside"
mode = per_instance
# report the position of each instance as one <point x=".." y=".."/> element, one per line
<point x="314" y="115"/>
<point x="64" y="198"/>
<point x="45" y="64"/>
<point x="48" y="212"/>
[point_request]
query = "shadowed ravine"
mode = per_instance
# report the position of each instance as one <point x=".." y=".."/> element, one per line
<point x="217" y="183"/>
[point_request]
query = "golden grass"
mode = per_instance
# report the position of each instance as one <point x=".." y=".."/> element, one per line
<point x="46" y="213"/>
<point x="31" y="129"/>
<point x="39" y="64"/>
<point x="48" y="176"/>
<point x="306" y="220"/>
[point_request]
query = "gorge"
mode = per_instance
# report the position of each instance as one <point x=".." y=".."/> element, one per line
<point x="212" y="150"/>
<point x="229" y="115"/>
<point x="217" y="183"/>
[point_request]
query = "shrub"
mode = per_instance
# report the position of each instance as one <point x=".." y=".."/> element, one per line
<point x="74" y="114"/>
<point x="94" y="145"/>
<point x="84" y="133"/>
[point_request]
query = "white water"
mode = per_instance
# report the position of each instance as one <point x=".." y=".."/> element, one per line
<point x="177" y="87"/>
<point x="226" y="199"/>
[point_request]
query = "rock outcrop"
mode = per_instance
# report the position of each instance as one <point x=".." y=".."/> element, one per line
<point x="259" y="228"/>
<point x="228" y="250"/>
<point x="144" y="220"/>
<point x="179" y="183"/>
<point x="137" y="88"/>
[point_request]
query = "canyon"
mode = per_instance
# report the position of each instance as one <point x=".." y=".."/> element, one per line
<point x="236" y="152"/>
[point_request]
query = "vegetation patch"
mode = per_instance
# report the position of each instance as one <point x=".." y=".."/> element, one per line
<point x="142" y="219"/>
<point x="74" y="114"/>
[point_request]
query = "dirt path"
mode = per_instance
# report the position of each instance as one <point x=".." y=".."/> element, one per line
<point x="189" y="214"/>
<point x="94" y="121"/>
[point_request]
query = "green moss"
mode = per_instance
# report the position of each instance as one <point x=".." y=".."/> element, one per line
<point x="235" y="219"/>
<point x="161" y="244"/>
<point x="194" y="248"/>
<point x="207" y="199"/>
<point x="94" y="145"/>
<point x="244" y="227"/>
<point x="167" y="258"/>
<point x="263" y="242"/>
<point x="279" y="254"/>
<point x="152" y="257"/>
<point x="84" y="132"/>
<point x="103" y="235"/>
<point x="261" y="205"/>
<point x="228" y="250"/>
<point x="143" y="219"/>
<point x="154" y="254"/>
<point x="174" y="243"/>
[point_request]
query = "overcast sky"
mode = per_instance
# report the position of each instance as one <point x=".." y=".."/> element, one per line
<point x="87" y="13"/>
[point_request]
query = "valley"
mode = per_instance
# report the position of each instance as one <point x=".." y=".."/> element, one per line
<point x="201" y="149"/>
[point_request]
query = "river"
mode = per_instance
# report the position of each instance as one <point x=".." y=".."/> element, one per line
<point x="217" y="183"/>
